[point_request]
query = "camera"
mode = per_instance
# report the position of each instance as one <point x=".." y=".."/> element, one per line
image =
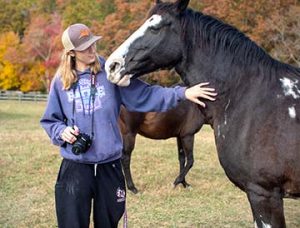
<point x="82" y="144"/>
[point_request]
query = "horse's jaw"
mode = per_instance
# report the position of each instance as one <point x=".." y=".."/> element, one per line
<point x="124" y="81"/>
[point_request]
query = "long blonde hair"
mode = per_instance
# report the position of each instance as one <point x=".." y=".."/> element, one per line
<point x="67" y="70"/>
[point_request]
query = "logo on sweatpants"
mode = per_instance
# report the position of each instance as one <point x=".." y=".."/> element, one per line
<point x="121" y="195"/>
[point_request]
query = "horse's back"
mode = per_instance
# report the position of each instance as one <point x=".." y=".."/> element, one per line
<point x="176" y="122"/>
<point x="185" y="118"/>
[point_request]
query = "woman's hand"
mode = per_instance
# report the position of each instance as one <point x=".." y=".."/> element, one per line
<point x="200" y="91"/>
<point x="69" y="134"/>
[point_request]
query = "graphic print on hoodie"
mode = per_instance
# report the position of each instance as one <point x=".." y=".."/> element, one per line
<point x="83" y="101"/>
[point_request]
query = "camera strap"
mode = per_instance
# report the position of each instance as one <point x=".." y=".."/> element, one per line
<point x="92" y="96"/>
<point x="93" y="91"/>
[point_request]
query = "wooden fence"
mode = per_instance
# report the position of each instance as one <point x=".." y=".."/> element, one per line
<point x="18" y="96"/>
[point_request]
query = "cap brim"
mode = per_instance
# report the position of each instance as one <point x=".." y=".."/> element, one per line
<point x="88" y="43"/>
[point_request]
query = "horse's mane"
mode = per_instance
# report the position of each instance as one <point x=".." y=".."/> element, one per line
<point x="208" y="32"/>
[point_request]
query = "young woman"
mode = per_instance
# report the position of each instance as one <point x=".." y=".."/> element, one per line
<point x="81" y="117"/>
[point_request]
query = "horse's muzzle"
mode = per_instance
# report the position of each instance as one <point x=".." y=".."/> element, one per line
<point x="113" y="68"/>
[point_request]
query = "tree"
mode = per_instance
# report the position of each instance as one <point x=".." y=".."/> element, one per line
<point x="32" y="77"/>
<point x="9" y="72"/>
<point x="264" y="21"/>
<point x="15" y="15"/>
<point x="85" y="11"/>
<point x="283" y="33"/>
<point x="42" y="44"/>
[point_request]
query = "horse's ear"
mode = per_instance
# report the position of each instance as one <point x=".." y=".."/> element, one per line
<point x="182" y="5"/>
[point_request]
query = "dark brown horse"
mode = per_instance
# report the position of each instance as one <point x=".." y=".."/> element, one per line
<point x="256" y="117"/>
<point x="182" y="122"/>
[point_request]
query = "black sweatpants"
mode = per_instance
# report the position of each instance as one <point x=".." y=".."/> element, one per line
<point x="78" y="184"/>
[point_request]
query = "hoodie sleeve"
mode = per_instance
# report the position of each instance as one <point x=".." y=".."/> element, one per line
<point x="53" y="119"/>
<point x="142" y="97"/>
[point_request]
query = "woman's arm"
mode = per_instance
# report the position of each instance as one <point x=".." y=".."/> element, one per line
<point x="142" y="97"/>
<point x="53" y="119"/>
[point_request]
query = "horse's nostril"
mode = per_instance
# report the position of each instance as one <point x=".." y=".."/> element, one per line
<point x="114" y="66"/>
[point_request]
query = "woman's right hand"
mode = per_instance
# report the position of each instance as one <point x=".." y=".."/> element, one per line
<point x="199" y="91"/>
<point x="69" y="134"/>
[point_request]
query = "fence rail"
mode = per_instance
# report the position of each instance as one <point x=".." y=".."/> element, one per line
<point x="23" y="97"/>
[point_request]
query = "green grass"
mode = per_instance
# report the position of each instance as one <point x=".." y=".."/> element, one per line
<point x="29" y="165"/>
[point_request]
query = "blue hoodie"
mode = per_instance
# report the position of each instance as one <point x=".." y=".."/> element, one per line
<point x="107" y="142"/>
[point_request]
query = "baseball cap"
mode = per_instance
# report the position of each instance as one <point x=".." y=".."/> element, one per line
<point x="78" y="37"/>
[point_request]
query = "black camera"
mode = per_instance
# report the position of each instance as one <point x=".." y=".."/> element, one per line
<point x="82" y="144"/>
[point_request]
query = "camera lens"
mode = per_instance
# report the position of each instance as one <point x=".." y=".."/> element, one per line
<point x="76" y="149"/>
<point x="82" y="144"/>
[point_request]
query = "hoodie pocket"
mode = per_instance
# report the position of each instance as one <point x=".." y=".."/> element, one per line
<point x="108" y="142"/>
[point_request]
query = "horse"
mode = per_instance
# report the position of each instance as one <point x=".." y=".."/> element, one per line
<point x="256" y="116"/>
<point x="182" y="122"/>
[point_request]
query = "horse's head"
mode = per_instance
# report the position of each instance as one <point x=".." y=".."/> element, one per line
<point x="155" y="45"/>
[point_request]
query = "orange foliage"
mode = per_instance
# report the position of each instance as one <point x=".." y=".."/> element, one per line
<point x="263" y="21"/>
<point x="42" y="45"/>
<point x="283" y="35"/>
<point x="9" y="72"/>
<point x="33" y="79"/>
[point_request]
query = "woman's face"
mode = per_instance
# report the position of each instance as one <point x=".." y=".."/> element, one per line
<point x="86" y="57"/>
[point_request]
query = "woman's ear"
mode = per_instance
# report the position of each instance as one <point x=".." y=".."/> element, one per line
<point x="72" y="53"/>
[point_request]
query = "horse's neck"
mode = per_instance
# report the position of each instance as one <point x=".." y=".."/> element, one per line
<point x="200" y="67"/>
<point x="228" y="84"/>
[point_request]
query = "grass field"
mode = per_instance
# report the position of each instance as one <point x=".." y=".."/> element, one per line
<point x="29" y="165"/>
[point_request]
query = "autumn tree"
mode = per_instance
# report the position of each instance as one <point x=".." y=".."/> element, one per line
<point x="9" y="71"/>
<point x="263" y="21"/>
<point x="15" y="15"/>
<point x="283" y="35"/>
<point x="84" y="11"/>
<point x="16" y="73"/>
<point x="43" y="46"/>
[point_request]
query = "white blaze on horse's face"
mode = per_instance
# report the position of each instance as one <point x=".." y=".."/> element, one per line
<point x="290" y="87"/>
<point x="116" y="61"/>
